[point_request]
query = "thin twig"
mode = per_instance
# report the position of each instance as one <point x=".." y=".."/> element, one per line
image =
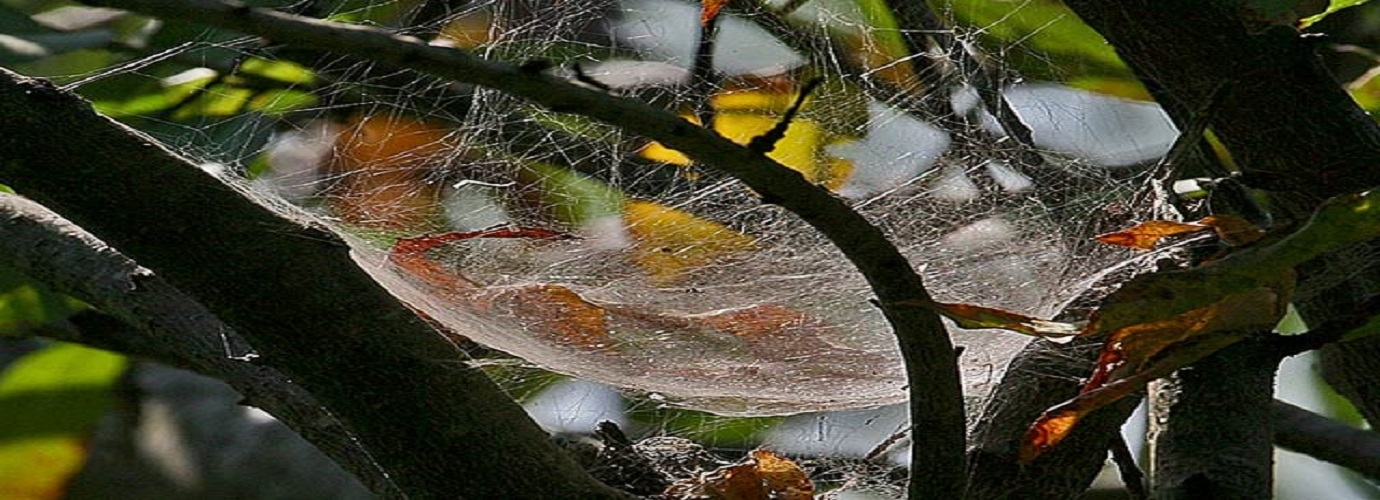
<point x="702" y="82"/>
<point x="1131" y="476"/>
<point x="766" y="142"/>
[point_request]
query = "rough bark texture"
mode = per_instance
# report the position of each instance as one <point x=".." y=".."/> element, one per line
<point x="1041" y="376"/>
<point x="1211" y="433"/>
<point x="142" y="315"/>
<point x="440" y="428"/>
<point x="1291" y="129"/>
<point x="1286" y="121"/>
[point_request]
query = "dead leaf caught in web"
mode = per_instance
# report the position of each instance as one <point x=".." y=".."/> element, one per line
<point x="1232" y="230"/>
<point x="978" y="317"/>
<point x="763" y="475"/>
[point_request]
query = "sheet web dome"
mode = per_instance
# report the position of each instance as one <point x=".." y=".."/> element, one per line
<point x="592" y="252"/>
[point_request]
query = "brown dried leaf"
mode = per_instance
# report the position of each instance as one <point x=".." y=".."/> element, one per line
<point x="977" y="317"/>
<point x="1146" y="234"/>
<point x="1138" y="353"/>
<point x="763" y="475"/>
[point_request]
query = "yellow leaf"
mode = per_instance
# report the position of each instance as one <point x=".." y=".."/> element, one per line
<point x="669" y="242"/>
<point x="39" y="468"/>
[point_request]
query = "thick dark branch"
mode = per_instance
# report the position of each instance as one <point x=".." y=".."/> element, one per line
<point x="1212" y="433"/>
<point x="437" y="426"/>
<point x="1319" y="146"/>
<point x="163" y="324"/>
<point x="1303" y="431"/>
<point x="936" y="401"/>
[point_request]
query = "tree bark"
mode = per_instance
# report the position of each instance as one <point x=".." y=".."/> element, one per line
<point x="1291" y="130"/>
<point x="439" y="427"/>
<point x="145" y="316"/>
<point x="1212" y="430"/>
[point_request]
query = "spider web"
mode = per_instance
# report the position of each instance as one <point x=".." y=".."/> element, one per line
<point x="669" y="279"/>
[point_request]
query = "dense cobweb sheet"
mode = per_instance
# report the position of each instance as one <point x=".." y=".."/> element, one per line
<point x="589" y="251"/>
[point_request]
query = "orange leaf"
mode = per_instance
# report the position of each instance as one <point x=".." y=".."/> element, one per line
<point x="764" y="475"/>
<point x="976" y="317"/>
<point x="1136" y="354"/>
<point x="1058" y="422"/>
<point x="710" y="11"/>
<point x="553" y="311"/>
<point x="1146" y="234"/>
<point x="380" y="165"/>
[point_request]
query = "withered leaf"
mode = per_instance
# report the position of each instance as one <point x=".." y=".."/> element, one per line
<point x="710" y="11"/>
<point x="978" y="317"/>
<point x="763" y="475"/>
<point x="1146" y="235"/>
<point x="1136" y="354"/>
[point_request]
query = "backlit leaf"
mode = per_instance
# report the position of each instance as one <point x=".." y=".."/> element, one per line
<point x="1146" y="234"/>
<point x="1333" y="6"/>
<point x="50" y="401"/>
<point x="669" y="242"/>
<point x="1058" y="422"/>
<point x="763" y="475"/>
<point x="977" y="317"/>
<point x="380" y="165"/>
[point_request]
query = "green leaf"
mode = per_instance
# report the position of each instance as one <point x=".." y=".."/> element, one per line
<point x="283" y="71"/>
<point x="1042" y="39"/>
<point x="50" y="401"/>
<point x="1333" y="6"/>
<point x="25" y="304"/>
<point x="574" y="198"/>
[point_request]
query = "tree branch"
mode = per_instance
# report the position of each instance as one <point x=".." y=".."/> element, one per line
<point x="1211" y="433"/>
<point x="1303" y="431"/>
<point x="163" y="324"/>
<point x="936" y="402"/>
<point x="291" y="290"/>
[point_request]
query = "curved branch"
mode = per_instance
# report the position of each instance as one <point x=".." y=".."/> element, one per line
<point x="164" y="324"/>
<point x="931" y="364"/>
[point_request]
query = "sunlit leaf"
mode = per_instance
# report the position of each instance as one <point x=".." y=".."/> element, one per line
<point x="216" y="100"/>
<point x="710" y="11"/>
<point x="1157" y="323"/>
<point x="1042" y="29"/>
<point x="747" y="114"/>
<point x="1146" y="234"/>
<point x="977" y="317"/>
<point x="1332" y="6"/>
<point x="1058" y="422"/>
<point x="25" y="304"/>
<point x="670" y="242"/>
<point x="763" y="475"/>
<point x="283" y="71"/>
<point x="571" y="197"/>
<point x="50" y="401"/>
